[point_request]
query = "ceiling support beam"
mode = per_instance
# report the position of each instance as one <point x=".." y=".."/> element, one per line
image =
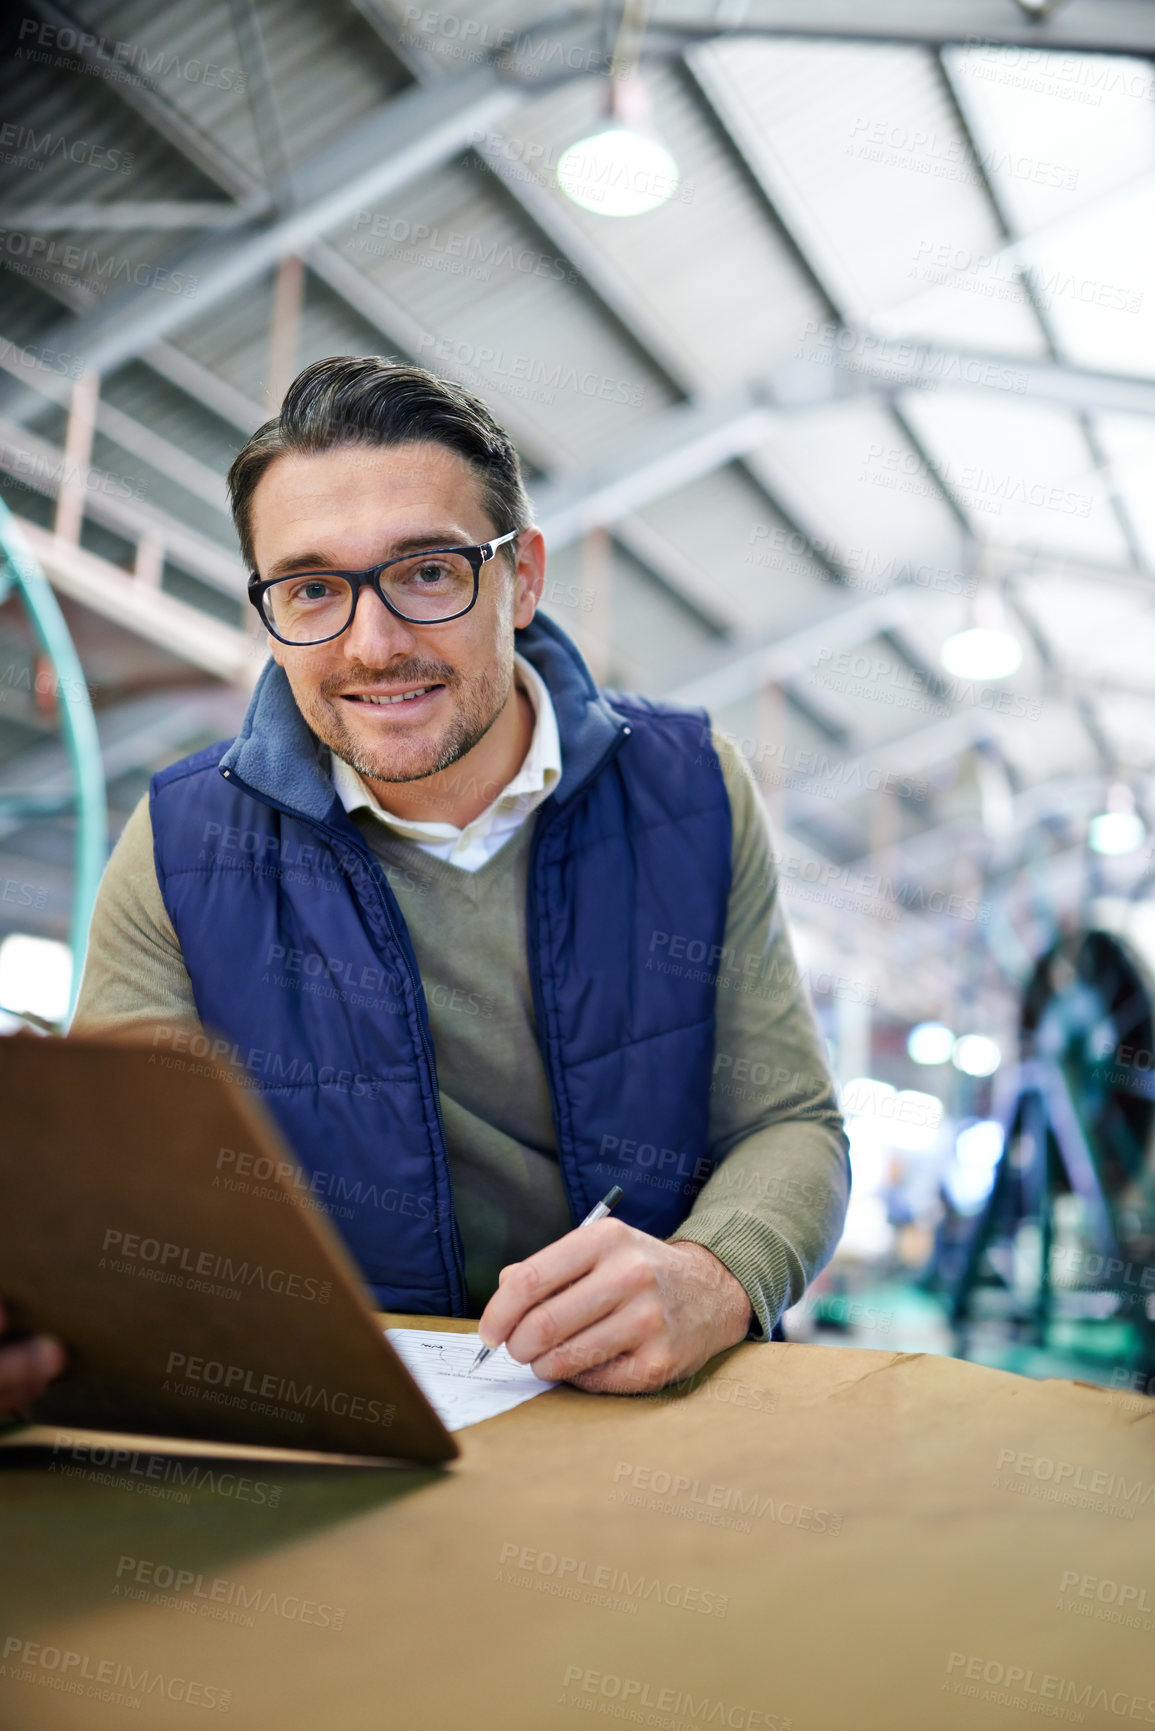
<point x="185" y="631"/>
<point x="884" y="365"/>
<point x="206" y="387"/>
<point x="133" y="733"/>
<point x="109" y="500"/>
<point x="124" y="430"/>
<point x="163" y="213"/>
<point x="622" y="305"/>
<point x="676" y="446"/>
<point x="382" y="153"/>
<point x="728" y="675"/>
<point x="139" y="92"/>
<point x="1090" y="26"/>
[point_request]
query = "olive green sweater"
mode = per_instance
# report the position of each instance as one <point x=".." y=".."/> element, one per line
<point x="773" y="1210"/>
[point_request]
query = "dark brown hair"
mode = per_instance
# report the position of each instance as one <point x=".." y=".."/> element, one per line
<point x="368" y="400"/>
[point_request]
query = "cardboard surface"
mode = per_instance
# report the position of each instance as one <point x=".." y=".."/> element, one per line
<point x="834" y="1539"/>
<point x="194" y="1301"/>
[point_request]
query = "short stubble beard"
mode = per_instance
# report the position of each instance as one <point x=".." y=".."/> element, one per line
<point x="478" y="703"/>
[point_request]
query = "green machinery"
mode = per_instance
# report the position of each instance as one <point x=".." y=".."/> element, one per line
<point x="20" y="572"/>
<point x="1066" y="1237"/>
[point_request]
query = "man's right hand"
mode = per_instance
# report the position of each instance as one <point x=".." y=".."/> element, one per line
<point x="26" y="1369"/>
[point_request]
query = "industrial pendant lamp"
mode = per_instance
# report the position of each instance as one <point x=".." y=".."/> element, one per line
<point x="1119" y="829"/>
<point x="987" y="649"/>
<point x="623" y="169"/>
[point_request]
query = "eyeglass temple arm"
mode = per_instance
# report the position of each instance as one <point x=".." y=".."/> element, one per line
<point x="492" y="546"/>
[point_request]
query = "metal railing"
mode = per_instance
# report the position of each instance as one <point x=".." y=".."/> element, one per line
<point x="86" y="799"/>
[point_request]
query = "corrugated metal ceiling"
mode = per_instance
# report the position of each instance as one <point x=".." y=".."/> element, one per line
<point x="815" y="176"/>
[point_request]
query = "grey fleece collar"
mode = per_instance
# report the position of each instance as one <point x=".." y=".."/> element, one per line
<point x="278" y="757"/>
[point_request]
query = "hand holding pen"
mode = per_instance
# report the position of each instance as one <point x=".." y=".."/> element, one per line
<point x="597" y="1212"/>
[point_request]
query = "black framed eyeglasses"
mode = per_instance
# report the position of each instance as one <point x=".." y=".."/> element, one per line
<point x="426" y="588"/>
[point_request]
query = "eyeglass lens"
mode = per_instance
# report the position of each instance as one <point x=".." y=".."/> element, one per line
<point x="319" y="604"/>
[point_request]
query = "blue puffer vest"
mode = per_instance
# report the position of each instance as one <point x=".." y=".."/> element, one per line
<point x="301" y="961"/>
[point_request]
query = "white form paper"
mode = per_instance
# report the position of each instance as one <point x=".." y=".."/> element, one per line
<point x="439" y="1365"/>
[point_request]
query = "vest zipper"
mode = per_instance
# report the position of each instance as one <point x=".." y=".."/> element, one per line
<point x="547" y="816"/>
<point x="410" y="963"/>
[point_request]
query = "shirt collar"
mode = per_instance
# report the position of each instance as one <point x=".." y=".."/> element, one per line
<point x="539" y="774"/>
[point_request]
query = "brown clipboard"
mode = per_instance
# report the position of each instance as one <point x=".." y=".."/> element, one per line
<point x="191" y="1305"/>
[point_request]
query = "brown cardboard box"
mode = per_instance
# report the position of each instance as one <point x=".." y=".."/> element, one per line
<point x="826" y="1538"/>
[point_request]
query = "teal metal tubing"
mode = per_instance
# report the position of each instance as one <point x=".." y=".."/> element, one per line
<point x="79" y="727"/>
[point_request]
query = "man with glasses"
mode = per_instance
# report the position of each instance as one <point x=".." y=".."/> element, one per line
<point x="489" y="939"/>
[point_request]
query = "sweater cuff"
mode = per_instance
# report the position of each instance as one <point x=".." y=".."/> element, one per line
<point x="757" y="1256"/>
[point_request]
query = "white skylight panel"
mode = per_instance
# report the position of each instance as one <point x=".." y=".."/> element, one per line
<point x="1129" y="446"/>
<point x="1104" y="632"/>
<point x="848" y="471"/>
<point x="1055" y="132"/>
<point x="861" y="149"/>
<point x="716" y="523"/>
<point x="1020" y="471"/>
<point x="1129" y="722"/>
<point x="1096" y="278"/>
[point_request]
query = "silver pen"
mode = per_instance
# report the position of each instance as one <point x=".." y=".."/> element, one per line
<point x="597" y="1212"/>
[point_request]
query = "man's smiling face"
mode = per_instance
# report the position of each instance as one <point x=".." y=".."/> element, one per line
<point x="353" y="507"/>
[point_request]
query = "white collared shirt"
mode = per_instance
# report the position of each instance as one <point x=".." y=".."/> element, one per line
<point x="472" y="846"/>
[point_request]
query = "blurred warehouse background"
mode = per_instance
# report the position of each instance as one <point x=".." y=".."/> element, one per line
<point x="826" y="329"/>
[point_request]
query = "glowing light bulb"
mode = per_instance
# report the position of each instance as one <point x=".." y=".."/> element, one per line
<point x="929" y="1043"/>
<point x="1119" y="829"/>
<point x="35" y="976"/>
<point x="976" y="1055"/>
<point x="981" y="653"/>
<point x="618" y="172"/>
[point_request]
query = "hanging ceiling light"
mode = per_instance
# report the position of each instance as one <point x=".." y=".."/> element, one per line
<point x="929" y="1043"/>
<point x="987" y="649"/>
<point x="1119" y="829"/>
<point x="622" y="170"/>
<point x="981" y="654"/>
<point x="35" y="976"/>
<point x="977" y="1055"/>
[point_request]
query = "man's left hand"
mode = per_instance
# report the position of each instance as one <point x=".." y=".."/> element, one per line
<point x="616" y="1311"/>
